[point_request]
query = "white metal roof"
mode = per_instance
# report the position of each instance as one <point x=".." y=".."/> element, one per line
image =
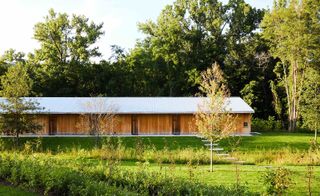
<point x="132" y="105"/>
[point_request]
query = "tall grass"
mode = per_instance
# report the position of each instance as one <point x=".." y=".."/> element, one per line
<point x="111" y="149"/>
<point x="142" y="153"/>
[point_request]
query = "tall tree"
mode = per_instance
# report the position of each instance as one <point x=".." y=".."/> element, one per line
<point x="190" y="35"/>
<point x="16" y="115"/>
<point x="67" y="48"/>
<point x="292" y="30"/>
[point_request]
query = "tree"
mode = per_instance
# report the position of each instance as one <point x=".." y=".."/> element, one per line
<point x="190" y="35"/>
<point x="17" y="111"/>
<point x="292" y="29"/>
<point x="213" y="120"/>
<point x="310" y="108"/>
<point x="67" y="49"/>
<point x="98" y="118"/>
<point x="10" y="58"/>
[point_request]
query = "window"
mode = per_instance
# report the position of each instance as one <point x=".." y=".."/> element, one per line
<point x="245" y="124"/>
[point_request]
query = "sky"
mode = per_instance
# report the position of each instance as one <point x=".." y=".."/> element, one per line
<point x="120" y="18"/>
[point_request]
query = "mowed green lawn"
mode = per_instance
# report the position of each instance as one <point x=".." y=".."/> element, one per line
<point x="266" y="141"/>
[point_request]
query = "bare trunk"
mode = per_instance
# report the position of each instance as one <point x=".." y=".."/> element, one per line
<point x="289" y="100"/>
<point x="17" y="139"/>
<point x="211" y="156"/>
<point x="294" y="96"/>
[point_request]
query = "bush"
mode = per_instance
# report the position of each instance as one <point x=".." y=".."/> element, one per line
<point x="66" y="177"/>
<point x="277" y="181"/>
<point x="261" y="125"/>
<point x="47" y="177"/>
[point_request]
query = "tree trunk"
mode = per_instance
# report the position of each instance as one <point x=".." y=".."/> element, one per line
<point x="17" y="139"/>
<point x="211" y="156"/>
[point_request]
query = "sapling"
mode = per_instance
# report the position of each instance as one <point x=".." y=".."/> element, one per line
<point x="277" y="181"/>
<point x="213" y="120"/>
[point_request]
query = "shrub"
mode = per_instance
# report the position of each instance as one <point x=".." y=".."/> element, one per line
<point x="54" y="176"/>
<point x="277" y="180"/>
<point x="261" y="125"/>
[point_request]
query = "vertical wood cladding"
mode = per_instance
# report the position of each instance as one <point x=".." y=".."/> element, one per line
<point x="154" y="124"/>
<point x="149" y="124"/>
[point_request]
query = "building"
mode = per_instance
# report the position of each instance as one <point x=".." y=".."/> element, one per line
<point x="132" y="115"/>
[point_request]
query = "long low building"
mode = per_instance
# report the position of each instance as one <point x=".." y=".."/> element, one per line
<point x="132" y="115"/>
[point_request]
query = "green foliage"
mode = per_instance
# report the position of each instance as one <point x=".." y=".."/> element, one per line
<point x="9" y="58"/>
<point x="277" y="180"/>
<point x="16" y="82"/>
<point x="60" y="177"/>
<point x="66" y="50"/>
<point x="261" y="125"/>
<point x="292" y="30"/>
<point x="310" y="109"/>
<point x="15" y="117"/>
<point x="43" y="175"/>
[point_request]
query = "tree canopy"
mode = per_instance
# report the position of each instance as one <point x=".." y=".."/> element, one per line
<point x="269" y="57"/>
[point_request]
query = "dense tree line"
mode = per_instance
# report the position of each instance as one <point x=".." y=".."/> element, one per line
<point x="268" y="56"/>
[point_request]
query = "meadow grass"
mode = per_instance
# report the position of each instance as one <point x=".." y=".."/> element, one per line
<point x="250" y="176"/>
<point x="187" y="158"/>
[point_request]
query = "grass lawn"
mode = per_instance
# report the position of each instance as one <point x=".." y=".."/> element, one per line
<point x="266" y="141"/>
<point x="276" y="141"/>
<point x="13" y="191"/>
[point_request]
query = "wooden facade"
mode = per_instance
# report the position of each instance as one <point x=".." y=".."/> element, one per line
<point x="132" y="124"/>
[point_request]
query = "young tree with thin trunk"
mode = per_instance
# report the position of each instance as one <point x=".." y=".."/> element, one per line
<point x="213" y="120"/>
<point x="98" y="118"/>
<point x="17" y="112"/>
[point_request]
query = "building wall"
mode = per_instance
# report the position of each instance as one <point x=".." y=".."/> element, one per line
<point x="43" y="120"/>
<point x="154" y="124"/>
<point x="149" y="124"/>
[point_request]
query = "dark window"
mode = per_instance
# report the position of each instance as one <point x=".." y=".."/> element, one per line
<point x="175" y="124"/>
<point x="245" y="124"/>
<point x="52" y="125"/>
<point x="134" y="125"/>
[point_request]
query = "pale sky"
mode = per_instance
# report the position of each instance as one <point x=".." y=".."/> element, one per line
<point x="120" y="18"/>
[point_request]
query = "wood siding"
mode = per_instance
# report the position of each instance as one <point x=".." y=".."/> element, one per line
<point x="121" y="124"/>
<point x="154" y="124"/>
<point x="187" y="124"/>
<point x="147" y="124"/>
